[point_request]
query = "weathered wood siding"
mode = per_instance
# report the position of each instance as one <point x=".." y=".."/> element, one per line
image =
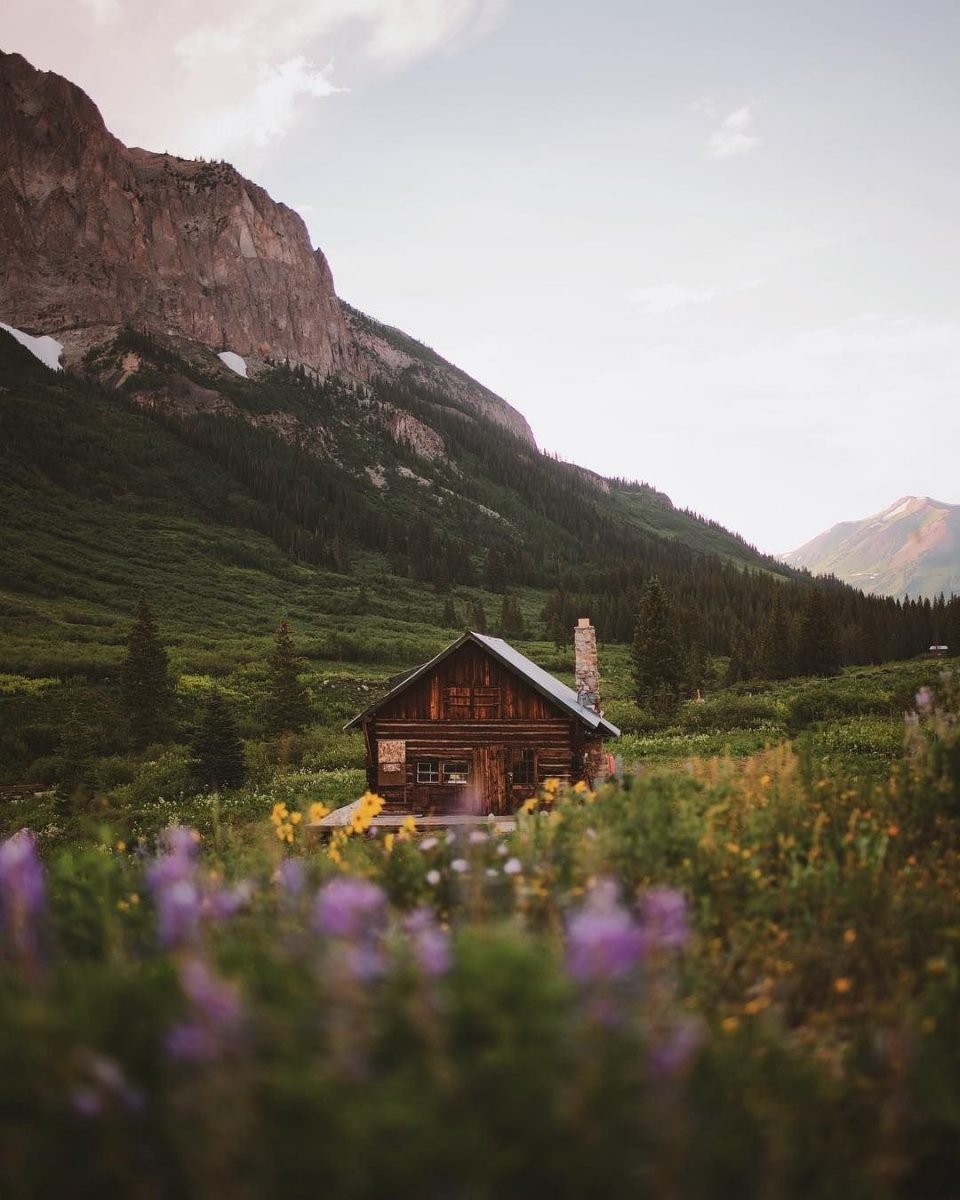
<point x="474" y="709"/>
<point x="469" y="667"/>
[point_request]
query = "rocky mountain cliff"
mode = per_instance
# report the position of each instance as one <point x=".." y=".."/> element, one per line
<point x="912" y="548"/>
<point x="96" y="235"/>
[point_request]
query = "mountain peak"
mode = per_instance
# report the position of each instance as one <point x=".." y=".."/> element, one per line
<point x="912" y="547"/>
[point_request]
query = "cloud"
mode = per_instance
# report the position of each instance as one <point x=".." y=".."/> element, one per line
<point x="270" y="110"/>
<point x="733" y="137"/>
<point x="666" y="297"/>
<point x="104" y="11"/>
<point x="250" y="64"/>
<point x="229" y="76"/>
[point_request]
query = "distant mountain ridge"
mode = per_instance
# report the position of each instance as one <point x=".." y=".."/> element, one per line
<point x="911" y="548"/>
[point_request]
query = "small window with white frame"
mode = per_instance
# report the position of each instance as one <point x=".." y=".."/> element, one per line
<point x="428" y="770"/>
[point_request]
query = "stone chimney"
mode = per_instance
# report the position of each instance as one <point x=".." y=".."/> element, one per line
<point x="587" y="668"/>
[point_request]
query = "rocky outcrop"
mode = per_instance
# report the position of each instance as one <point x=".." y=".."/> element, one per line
<point x="94" y="233"/>
<point x="388" y="352"/>
<point x="420" y="438"/>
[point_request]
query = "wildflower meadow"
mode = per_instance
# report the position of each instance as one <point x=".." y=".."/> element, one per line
<point x="722" y="978"/>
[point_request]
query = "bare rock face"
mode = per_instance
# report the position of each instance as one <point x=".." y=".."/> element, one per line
<point x="388" y="352"/>
<point x="93" y="233"/>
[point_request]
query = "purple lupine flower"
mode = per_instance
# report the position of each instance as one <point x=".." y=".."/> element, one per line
<point x="604" y="942"/>
<point x="215" y="1000"/>
<point x="924" y="699"/>
<point x="676" y="1048"/>
<point x="351" y="908"/>
<point x="171" y="878"/>
<point x="216" y="1015"/>
<point x="23" y="896"/>
<point x="225" y="902"/>
<point x="665" y="917"/>
<point x="292" y="877"/>
<point x="178" y="913"/>
<point x="87" y="1102"/>
<point x="107" y="1086"/>
<point x="189" y="1041"/>
<point x="431" y="944"/>
<point x="354" y="912"/>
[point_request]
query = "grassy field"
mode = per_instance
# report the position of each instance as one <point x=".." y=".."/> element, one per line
<point x="732" y="971"/>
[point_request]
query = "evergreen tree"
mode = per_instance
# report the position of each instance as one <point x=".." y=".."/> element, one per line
<point x="478" y="617"/>
<point x="217" y="745"/>
<point x="286" y="704"/>
<point x="696" y="668"/>
<point x="818" y="652"/>
<point x="449" y="619"/>
<point x="145" y="681"/>
<point x="659" y="667"/>
<point x="740" y="665"/>
<point x="77" y="753"/>
<point x="511" y="618"/>
<point x="496" y="572"/>
<point x="777" y="652"/>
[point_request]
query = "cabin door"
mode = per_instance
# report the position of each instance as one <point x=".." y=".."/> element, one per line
<point x="490" y="780"/>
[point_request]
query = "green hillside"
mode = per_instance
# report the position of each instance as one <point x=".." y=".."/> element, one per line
<point x="233" y="502"/>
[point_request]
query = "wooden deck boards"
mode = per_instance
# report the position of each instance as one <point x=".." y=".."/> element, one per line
<point x="393" y="821"/>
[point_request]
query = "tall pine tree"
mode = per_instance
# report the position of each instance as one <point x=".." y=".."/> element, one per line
<point x="818" y="651"/>
<point x="286" y="706"/>
<point x="217" y="745"/>
<point x="659" y="664"/>
<point x="145" y="681"/>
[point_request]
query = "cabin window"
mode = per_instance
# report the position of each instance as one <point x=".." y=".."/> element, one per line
<point x="525" y="767"/>
<point x="486" y="703"/>
<point x="428" y="770"/>
<point x="479" y="703"/>
<point x="456" y="772"/>
<point x="458" y="703"/>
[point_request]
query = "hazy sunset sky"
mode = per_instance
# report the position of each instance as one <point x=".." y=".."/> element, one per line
<point x="712" y="246"/>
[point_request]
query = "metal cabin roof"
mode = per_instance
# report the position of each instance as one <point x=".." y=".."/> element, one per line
<point x="541" y="680"/>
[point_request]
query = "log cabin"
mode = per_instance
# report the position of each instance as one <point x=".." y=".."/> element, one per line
<point x="479" y="727"/>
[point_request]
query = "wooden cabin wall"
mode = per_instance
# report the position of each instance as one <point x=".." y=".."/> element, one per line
<point x="421" y="718"/>
<point x="472" y="667"/>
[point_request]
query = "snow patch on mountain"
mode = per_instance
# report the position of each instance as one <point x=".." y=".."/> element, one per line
<point x="234" y="362"/>
<point x="47" y="349"/>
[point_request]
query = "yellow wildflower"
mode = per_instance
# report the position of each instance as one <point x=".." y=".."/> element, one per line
<point x="729" y="1024"/>
<point x="756" y="1005"/>
<point x="580" y="787"/>
<point x="318" y="811"/>
<point x="408" y="826"/>
<point x="388" y="843"/>
<point x="849" y="936"/>
<point x="529" y="805"/>
<point x="937" y="966"/>
<point x="842" y="985"/>
<point x="134" y="898"/>
<point x="296" y="818"/>
<point x="279" y="814"/>
<point x="121" y="846"/>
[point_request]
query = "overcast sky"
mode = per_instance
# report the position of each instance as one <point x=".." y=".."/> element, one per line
<point x="711" y="246"/>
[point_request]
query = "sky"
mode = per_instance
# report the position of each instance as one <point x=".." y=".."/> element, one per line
<point x="712" y="247"/>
